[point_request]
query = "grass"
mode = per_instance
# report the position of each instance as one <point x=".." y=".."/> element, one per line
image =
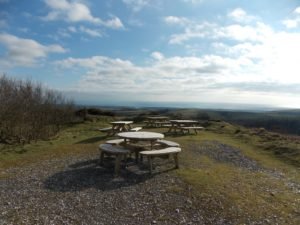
<point x="236" y="194"/>
<point x="73" y="139"/>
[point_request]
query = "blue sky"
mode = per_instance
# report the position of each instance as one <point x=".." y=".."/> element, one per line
<point x="127" y="51"/>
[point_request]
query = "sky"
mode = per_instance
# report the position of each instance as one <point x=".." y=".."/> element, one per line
<point x="118" y="52"/>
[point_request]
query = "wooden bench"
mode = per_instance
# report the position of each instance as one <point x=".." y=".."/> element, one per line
<point x="106" y="129"/>
<point x="118" y="151"/>
<point x="166" y="151"/>
<point x="115" y="141"/>
<point x="183" y="129"/>
<point x="168" y="143"/>
<point x="136" y="129"/>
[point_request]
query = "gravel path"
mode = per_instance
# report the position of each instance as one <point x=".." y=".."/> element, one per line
<point x="75" y="190"/>
<point x="225" y="154"/>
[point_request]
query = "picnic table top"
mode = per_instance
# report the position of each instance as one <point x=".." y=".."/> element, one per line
<point x="121" y="122"/>
<point x="183" y="121"/>
<point x="141" y="135"/>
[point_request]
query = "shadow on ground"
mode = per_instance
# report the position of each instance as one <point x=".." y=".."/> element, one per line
<point x="88" y="174"/>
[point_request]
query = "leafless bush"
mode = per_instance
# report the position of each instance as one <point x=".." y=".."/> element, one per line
<point x="29" y="111"/>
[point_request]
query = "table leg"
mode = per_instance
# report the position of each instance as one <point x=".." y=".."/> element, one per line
<point x="171" y="128"/>
<point x="117" y="164"/>
<point x="176" y="160"/>
<point x="150" y="163"/>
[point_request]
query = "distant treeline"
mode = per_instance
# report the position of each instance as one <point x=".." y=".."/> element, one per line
<point x="282" y="122"/>
<point x="29" y="111"/>
<point x="286" y="122"/>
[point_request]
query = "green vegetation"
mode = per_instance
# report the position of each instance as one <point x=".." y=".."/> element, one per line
<point x="236" y="193"/>
<point x="30" y="112"/>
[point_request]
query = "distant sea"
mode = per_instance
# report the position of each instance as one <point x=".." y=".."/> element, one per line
<point x="212" y="106"/>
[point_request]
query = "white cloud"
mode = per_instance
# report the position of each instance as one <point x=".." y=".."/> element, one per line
<point x="193" y="1"/>
<point x="250" y="62"/>
<point x="239" y="15"/>
<point x="176" y="20"/>
<point x="157" y="55"/>
<point x="193" y="30"/>
<point x="238" y="32"/>
<point x="25" y="52"/>
<point x="202" y="79"/>
<point x="294" y="20"/>
<point x="91" y="32"/>
<point x="137" y="5"/>
<point x="72" y="29"/>
<point x="297" y="10"/>
<point x="74" y="11"/>
<point x="291" y="23"/>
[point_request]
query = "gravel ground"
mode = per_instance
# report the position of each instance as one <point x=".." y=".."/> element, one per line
<point x="75" y="190"/>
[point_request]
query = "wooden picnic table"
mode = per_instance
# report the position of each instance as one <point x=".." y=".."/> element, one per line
<point x="157" y="121"/>
<point x="182" y="124"/>
<point x="120" y="126"/>
<point x="152" y="137"/>
<point x="141" y="136"/>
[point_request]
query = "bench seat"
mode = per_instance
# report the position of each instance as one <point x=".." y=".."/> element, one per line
<point x="168" y="143"/>
<point x="115" y="141"/>
<point x="166" y="151"/>
<point x="118" y="151"/>
<point x="191" y="128"/>
<point x="106" y="129"/>
<point x="136" y="129"/>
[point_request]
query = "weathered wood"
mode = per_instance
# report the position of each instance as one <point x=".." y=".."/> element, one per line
<point x="166" y="151"/>
<point x="141" y="136"/>
<point x="115" y="141"/>
<point x="191" y="128"/>
<point x="136" y="129"/>
<point x="168" y="143"/>
<point x="118" y="151"/>
<point x="176" y="160"/>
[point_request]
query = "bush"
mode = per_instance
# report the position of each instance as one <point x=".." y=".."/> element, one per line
<point x="29" y="111"/>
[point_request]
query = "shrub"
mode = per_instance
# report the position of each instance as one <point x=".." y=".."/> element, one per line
<point x="29" y="111"/>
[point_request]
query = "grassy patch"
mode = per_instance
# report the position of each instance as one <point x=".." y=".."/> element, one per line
<point x="74" y="139"/>
<point x="242" y="196"/>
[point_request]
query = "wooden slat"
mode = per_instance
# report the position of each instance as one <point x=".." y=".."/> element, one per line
<point x="115" y="141"/>
<point x="168" y="143"/>
<point x="164" y="151"/>
<point x="136" y="129"/>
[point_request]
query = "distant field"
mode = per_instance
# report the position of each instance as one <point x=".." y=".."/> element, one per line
<point x="285" y="121"/>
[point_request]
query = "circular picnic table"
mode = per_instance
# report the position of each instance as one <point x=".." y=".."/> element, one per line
<point x="141" y="136"/>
